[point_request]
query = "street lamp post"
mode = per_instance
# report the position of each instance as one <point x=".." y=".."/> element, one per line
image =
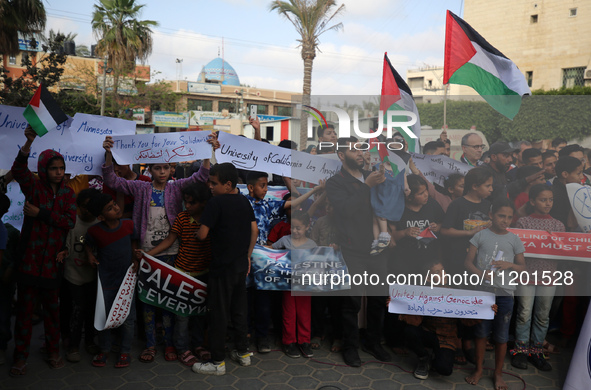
<point x="105" y="72"/>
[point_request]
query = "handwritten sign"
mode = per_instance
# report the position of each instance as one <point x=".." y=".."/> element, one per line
<point x="15" y="215"/>
<point x="121" y="306"/>
<point x="437" y="168"/>
<point x="580" y="201"/>
<point x="555" y="246"/>
<point x="161" y="147"/>
<point x="441" y="302"/>
<point x="254" y="155"/>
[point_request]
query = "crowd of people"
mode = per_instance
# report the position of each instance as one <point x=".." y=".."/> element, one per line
<point x="203" y="226"/>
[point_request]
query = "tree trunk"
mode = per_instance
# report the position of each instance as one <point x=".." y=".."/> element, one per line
<point x="308" y="54"/>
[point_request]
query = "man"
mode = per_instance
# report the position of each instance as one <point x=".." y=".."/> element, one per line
<point x="500" y="161"/>
<point x="329" y="135"/>
<point x="557" y="144"/>
<point x="549" y="163"/>
<point x="446" y="141"/>
<point x="518" y="152"/>
<point x="349" y="192"/>
<point x="434" y="148"/>
<point x="530" y="157"/>
<point x="472" y="148"/>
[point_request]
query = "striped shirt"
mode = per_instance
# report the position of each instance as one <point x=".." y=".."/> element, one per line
<point x="194" y="255"/>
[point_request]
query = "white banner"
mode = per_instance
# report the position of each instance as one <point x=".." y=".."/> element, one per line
<point x="580" y="201"/>
<point x="161" y="147"/>
<point x="121" y="306"/>
<point x="579" y="372"/>
<point x="437" y="168"/>
<point x="15" y="215"/>
<point x="441" y="302"/>
<point x="255" y="155"/>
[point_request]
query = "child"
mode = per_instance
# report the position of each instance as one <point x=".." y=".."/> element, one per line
<point x="193" y="259"/>
<point x="155" y="208"/>
<point x="281" y="228"/>
<point x="453" y="187"/>
<point x="227" y="215"/>
<point x="50" y="212"/>
<point x="549" y="161"/>
<point x="523" y="198"/>
<point x="296" y="309"/>
<point x="568" y="170"/>
<point x="495" y="248"/>
<point x="79" y="278"/>
<point x="534" y="301"/>
<point x="112" y="240"/>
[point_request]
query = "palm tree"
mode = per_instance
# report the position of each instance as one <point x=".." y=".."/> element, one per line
<point x="311" y="18"/>
<point x="121" y="36"/>
<point x="19" y="16"/>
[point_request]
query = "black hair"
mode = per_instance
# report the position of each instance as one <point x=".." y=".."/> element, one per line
<point x="97" y="204"/>
<point x="4" y="204"/>
<point x="447" y="141"/>
<point x="501" y="202"/>
<point x="567" y="164"/>
<point x="225" y="172"/>
<point x="414" y="183"/>
<point x="452" y="180"/>
<point x="525" y="171"/>
<point x="534" y="192"/>
<point x="254" y="176"/>
<point x="568" y="149"/>
<point x="198" y="190"/>
<point x="321" y="129"/>
<point x="548" y="154"/>
<point x="529" y="154"/>
<point x="344" y="141"/>
<point x="476" y="177"/>
<point x="288" y="144"/>
<point x="432" y="146"/>
<point x="557" y="141"/>
<point x="86" y="194"/>
<point x="287" y="196"/>
<point x="301" y="216"/>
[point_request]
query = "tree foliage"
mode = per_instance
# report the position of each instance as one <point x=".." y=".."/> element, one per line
<point x="19" y="16"/>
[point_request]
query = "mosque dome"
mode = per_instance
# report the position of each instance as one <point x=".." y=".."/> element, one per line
<point x="217" y="68"/>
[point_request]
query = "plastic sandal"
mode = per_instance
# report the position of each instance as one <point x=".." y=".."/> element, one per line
<point x="148" y="355"/>
<point x="56" y="363"/>
<point x="315" y="342"/>
<point x="202" y="354"/>
<point x="15" y="371"/>
<point x="187" y="358"/>
<point x="170" y="354"/>
<point x="100" y="360"/>
<point x="124" y="360"/>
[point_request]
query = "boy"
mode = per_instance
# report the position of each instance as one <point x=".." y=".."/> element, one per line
<point x="229" y="216"/>
<point x="193" y="259"/>
<point x="111" y="238"/>
<point x="549" y="162"/>
<point x="568" y="170"/>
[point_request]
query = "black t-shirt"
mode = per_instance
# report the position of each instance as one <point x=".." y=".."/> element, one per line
<point x="561" y="207"/>
<point x="462" y="213"/>
<point x="411" y="254"/>
<point x="229" y="218"/>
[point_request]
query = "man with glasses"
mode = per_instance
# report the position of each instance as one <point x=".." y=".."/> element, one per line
<point x="472" y="148"/>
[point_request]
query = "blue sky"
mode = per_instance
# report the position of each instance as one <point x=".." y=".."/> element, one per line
<point x="261" y="45"/>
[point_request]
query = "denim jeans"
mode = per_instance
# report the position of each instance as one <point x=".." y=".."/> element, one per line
<point x="190" y="331"/>
<point x="533" y="302"/>
<point x="500" y="324"/>
<point x="105" y="336"/>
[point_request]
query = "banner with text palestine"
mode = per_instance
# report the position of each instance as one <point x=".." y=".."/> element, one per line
<point x="166" y="287"/>
<point x="555" y="246"/>
<point x="121" y="306"/>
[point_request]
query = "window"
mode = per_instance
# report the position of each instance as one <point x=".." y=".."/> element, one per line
<point x="12" y="60"/>
<point x="416" y="82"/>
<point x="230" y="106"/>
<point x="261" y="109"/>
<point x="430" y="83"/>
<point x="572" y="12"/>
<point x="282" y="111"/>
<point x="269" y="133"/>
<point x="573" y="77"/>
<point x="533" y="19"/>
<point x="529" y="76"/>
<point x="199" y="105"/>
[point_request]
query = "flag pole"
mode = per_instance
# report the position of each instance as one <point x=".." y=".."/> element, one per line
<point x="445" y="106"/>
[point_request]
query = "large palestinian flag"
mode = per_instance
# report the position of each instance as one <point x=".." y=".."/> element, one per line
<point x="470" y="60"/>
<point x="43" y="113"/>
<point x="396" y="96"/>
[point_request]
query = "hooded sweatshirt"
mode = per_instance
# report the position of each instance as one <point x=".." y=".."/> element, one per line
<point x="42" y="237"/>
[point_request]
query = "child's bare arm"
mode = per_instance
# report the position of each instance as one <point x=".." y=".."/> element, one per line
<point x="469" y="262"/>
<point x="297" y="202"/>
<point x="91" y="258"/>
<point x="164" y="245"/>
<point x="254" y="234"/>
<point x="202" y="233"/>
<point x="107" y="145"/>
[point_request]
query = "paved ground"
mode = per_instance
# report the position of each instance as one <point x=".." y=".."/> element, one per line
<point x="268" y="371"/>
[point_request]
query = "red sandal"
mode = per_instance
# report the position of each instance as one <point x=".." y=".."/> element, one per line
<point x="124" y="361"/>
<point x="147" y="355"/>
<point x="170" y="354"/>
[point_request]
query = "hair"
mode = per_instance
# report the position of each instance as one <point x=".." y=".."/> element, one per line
<point x="557" y="141"/>
<point x="452" y="180"/>
<point x="309" y="148"/>
<point x="529" y="154"/>
<point x="225" y="172"/>
<point x="288" y="144"/>
<point x="254" y="176"/>
<point x="414" y="183"/>
<point x="567" y="164"/>
<point x="301" y="216"/>
<point x="4" y="204"/>
<point x="321" y="129"/>
<point x="548" y="154"/>
<point x="432" y="146"/>
<point x="534" y="192"/>
<point x="447" y="141"/>
<point x="499" y="203"/>
<point x="287" y="196"/>
<point x="527" y="170"/>
<point x="86" y="194"/>
<point x="465" y="138"/>
<point x="343" y="141"/>
<point x="97" y="204"/>
<point x="198" y="190"/>
<point x="476" y="177"/>
<point x="568" y="149"/>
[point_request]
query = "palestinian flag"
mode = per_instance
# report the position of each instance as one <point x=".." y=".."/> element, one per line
<point x="470" y="60"/>
<point x="398" y="159"/>
<point x="426" y="237"/>
<point x="43" y="112"/>
<point x="396" y="96"/>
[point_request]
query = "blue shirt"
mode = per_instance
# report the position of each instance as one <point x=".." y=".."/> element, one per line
<point x="265" y="212"/>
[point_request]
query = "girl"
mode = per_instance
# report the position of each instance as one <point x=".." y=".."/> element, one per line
<point x="502" y="250"/>
<point x="296" y="309"/>
<point x="155" y="208"/>
<point x="534" y="301"/>
<point x="454" y="186"/>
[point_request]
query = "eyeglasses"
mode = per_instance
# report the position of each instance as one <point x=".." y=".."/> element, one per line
<point x="475" y="146"/>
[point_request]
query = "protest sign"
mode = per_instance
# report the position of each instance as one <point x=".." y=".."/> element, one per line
<point x="161" y="147"/>
<point x="441" y="302"/>
<point x="254" y="155"/>
<point x="121" y="306"/>
<point x="271" y="268"/>
<point x="15" y="215"/>
<point x="555" y="246"/>
<point x="580" y="201"/>
<point x="579" y="371"/>
<point x="166" y="287"/>
<point x="437" y="168"/>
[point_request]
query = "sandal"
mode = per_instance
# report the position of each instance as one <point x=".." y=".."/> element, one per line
<point x="16" y="371"/>
<point x="337" y="346"/>
<point x="170" y="354"/>
<point x="56" y="363"/>
<point x="124" y="360"/>
<point x="187" y="358"/>
<point x="202" y="354"/>
<point x="315" y="342"/>
<point x="148" y="355"/>
<point x="550" y="348"/>
<point x="100" y="360"/>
